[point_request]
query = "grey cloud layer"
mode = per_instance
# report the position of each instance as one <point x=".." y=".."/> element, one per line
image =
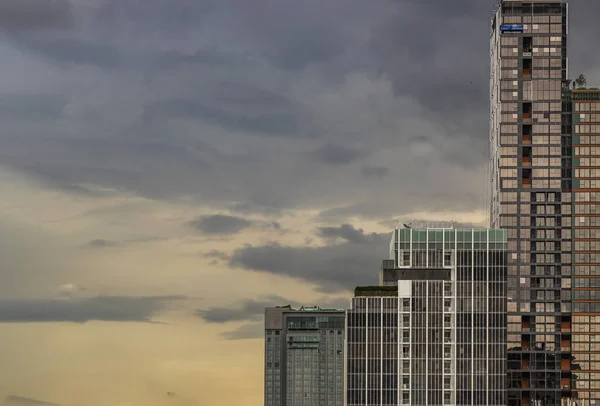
<point x="222" y="224"/>
<point x="251" y="312"/>
<point x="261" y="106"/>
<point x="338" y="267"/>
<point x="283" y="111"/>
<point x="101" y="308"/>
<point x="16" y="15"/>
<point x="22" y="401"/>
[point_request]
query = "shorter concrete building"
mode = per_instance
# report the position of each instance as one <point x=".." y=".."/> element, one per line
<point x="304" y="356"/>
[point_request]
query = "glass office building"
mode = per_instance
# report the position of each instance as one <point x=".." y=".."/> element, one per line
<point x="304" y="356"/>
<point x="434" y="333"/>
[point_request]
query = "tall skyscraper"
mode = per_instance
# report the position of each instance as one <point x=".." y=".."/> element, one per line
<point x="304" y="356"/>
<point x="582" y="106"/>
<point x="434" y="333"/>
<point x="531" y="181"/>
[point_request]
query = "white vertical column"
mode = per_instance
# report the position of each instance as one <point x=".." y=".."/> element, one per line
<point x="426" y="248"/>
<point x="381" y="354"/>
<point x="453" y="307"/>
<point x="487" y="318"/>
<point x="345" y="355"/>
<point x="366" y="351"/>
<point x="426" y="339"/>
<point x="399" y="352"/>
<point x="472" y="317"/>
<point x="410" y="247"/>
<point x="410" y="338"/>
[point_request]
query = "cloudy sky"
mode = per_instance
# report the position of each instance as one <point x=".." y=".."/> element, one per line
<point x="168" y="168"/>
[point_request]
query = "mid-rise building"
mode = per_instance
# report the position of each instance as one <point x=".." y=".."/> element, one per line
<point x="434" y="333"/>
<point x="304" y="356"/>
<point x="531" y="194"/>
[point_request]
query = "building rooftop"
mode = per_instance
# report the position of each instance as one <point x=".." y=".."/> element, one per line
<point x="307" y="308"/>
<point x="377" y="291"/>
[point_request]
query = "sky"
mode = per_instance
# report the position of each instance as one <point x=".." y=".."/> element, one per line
<point x="170" y="168"/>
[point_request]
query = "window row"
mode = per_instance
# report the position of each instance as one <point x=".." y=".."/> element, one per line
<point x="586" y="232"/>
<point x="585" y="221"/>
<point x="586" y="258"/>
<point x="587" y="196"/>
<point x="589" y="139"/>
<point x="587" y="107"/>
<point x="587" y="184"/>
<point x="587" y="245"/>
<point x="586" y="270"/>
<point x="589" y="118"/>
<point x="587" y="173"/>
<point x="539" y="308"/>
<point x="587" y="128"/>
<point x="586" y="151"/>
<point x="530" y="94"/>
<point x="511" y="208"/>
<point x="540" y="197"/>
<point x="589" y="161"/>
<point x="528" y="18"/>
<point x="536" y="183"/>
<point x="587" y="283"/>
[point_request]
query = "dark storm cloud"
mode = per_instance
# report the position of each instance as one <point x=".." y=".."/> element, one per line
<point x="74" y="51"/>
<point x="32" y="106"/>
<point x="223" y="224"/>
<point x="261" y="83"/>
<point x="237" y="106"/>
<point x="246" y="310"/>
<point x="267" y="123"/>
<point x="337" y="155"/>
<point x="345" y="231"/>
<point x="374" y="171"/>
<point x="18" y="15"/>
<point x="101" y="308"/>
<point x="335" y="267"/>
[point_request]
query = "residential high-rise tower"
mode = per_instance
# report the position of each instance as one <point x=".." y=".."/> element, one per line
<point x="531" y="184"/>
<point x="582" y="113"/>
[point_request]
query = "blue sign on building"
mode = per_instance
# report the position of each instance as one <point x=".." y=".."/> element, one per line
<point x="511" y="27"/>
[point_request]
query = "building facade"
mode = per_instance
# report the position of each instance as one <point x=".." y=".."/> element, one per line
<point x="434" y="333"/>
<point x="304" y="356"/>
<point x="582" y="106"/>
<point x="531" y="182"/>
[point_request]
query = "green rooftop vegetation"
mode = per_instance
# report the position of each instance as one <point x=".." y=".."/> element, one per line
<point x="375" y="291"/>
